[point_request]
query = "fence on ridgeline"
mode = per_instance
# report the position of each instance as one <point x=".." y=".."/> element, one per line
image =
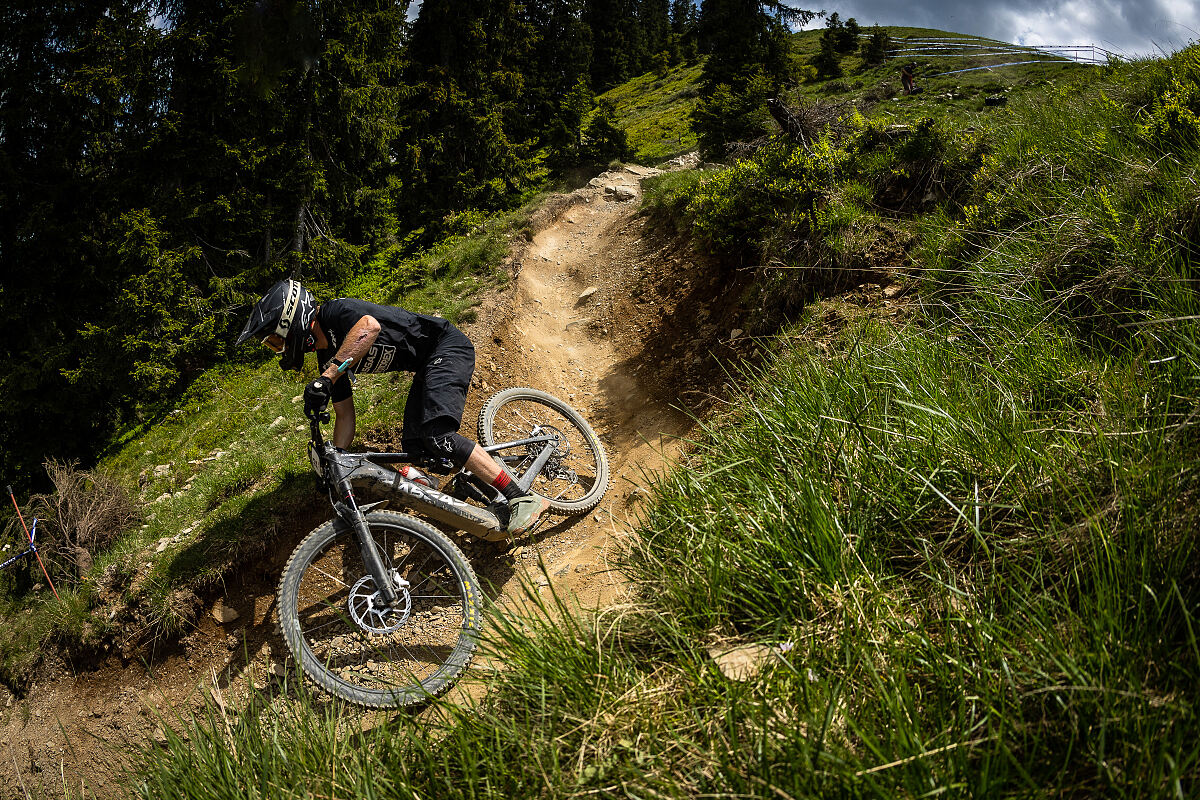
<point x="1083" y="54"/>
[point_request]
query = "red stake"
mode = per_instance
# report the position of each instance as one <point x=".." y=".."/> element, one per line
<point x="29" y="536"/>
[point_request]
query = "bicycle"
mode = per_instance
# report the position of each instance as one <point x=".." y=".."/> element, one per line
<point x="382" y="609"/>
<point x="30" y="544"/>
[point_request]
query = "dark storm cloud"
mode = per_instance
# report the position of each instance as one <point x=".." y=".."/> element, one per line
<point x="1129" y="27"/>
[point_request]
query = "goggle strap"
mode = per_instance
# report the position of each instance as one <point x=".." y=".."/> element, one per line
<point x="290" y="304"/>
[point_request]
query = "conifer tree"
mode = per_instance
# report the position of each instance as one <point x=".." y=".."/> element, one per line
<point x="78" y="97"/>
<point x="685" y="23"/>
<point x="654" y="20"/>
<point x="683" y="15"/>
<point x="466" y="116"/>
<point x="748" y="43"/>
<point x="557" y="77"/>
<point x="616" y="41"/>
<point x="874" y="49"/>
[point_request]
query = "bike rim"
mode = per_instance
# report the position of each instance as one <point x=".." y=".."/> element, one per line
<point x="367" y="649"/>
<point x="573" y="473"/>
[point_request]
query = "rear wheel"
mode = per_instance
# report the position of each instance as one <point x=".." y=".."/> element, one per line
<point x="576" y="477"/>
<point x="361" y="650"/>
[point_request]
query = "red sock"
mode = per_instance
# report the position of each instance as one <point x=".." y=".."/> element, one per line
<point x="504" y="483"/>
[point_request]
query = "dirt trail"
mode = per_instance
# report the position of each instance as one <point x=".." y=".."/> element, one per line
<point x="570" y="325"/>
<point x="565" y="337"/>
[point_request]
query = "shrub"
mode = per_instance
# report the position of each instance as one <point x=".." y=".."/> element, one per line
<point x="84" y="514"/>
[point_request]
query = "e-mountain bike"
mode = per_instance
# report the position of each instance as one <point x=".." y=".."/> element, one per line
<point x="382" y="609"/>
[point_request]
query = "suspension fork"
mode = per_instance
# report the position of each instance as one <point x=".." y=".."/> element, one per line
<point x="351" y="517"/>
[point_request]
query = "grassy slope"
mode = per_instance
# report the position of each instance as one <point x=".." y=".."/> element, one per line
<point x="653" y="111"/>
<point x="961" y="541"/>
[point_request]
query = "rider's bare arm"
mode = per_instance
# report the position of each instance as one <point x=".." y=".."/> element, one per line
<point x="358" y="342"/>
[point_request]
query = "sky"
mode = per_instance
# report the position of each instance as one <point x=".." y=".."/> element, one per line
<point x="1128" y="28"/>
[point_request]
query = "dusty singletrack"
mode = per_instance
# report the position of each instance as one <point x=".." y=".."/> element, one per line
<point x="622" y="324"/>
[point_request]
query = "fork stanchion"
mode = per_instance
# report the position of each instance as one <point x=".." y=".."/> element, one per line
<point x="29" y="536"/>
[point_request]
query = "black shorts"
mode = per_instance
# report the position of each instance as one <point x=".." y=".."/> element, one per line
<point x="439" y="388"/>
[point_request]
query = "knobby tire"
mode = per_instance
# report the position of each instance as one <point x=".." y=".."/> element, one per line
<point x="576" y="478"/>
<point x="412" y="662"/>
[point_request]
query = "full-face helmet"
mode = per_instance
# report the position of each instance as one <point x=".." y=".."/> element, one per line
<point x="287" y="311"/>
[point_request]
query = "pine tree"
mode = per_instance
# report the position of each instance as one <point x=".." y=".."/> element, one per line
<point x="683" y="15"/>
<point x="874" y="49"/>
<point x="79" y="93"/>
<point x="850" y="39"/>
<point x="557" y="92"/>
<point x="616" y="41"/>
<point x="827" y="61"/>
<point x="466" y="111"/>
<point x="685" y="25"/>
<point x="654" y="20"/>
<point x="748" y="42"/>
<point x="603" y="140"/>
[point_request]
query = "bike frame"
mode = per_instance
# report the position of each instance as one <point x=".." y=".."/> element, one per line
<point x="341" y="472"/>
<point x="30" y="547"/>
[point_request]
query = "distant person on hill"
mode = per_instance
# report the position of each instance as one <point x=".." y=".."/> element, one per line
<point x="906" y="77"/>
<point x="378" y="338"/>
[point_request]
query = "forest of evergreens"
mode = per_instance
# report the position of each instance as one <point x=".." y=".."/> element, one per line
<point x="162" y="161"/>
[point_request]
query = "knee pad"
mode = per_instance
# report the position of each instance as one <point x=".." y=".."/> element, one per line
<point x="453" y="447"/>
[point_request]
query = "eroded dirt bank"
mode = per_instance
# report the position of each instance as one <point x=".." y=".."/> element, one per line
<point x="621" y="323"/>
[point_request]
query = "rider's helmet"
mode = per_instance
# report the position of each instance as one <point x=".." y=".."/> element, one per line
<point x="286" y="310"/>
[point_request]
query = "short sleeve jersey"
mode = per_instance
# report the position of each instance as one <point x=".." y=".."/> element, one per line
<point x="404" y="343"/>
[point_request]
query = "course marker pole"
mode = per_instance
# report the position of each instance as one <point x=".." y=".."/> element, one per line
<point x="29" y="536"/>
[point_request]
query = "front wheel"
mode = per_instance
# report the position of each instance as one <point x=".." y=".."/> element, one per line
<point x="576" y="476"/>
<point x="356" y="647"/>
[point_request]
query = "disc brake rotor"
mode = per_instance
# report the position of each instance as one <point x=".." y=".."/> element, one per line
<point x="562" y="447"/>
<point x="371" y="613"/>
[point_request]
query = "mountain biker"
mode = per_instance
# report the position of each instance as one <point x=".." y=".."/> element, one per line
<point x="378" y="338"/>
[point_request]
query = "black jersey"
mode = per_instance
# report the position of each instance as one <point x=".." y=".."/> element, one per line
<point x="405" y="339"/>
